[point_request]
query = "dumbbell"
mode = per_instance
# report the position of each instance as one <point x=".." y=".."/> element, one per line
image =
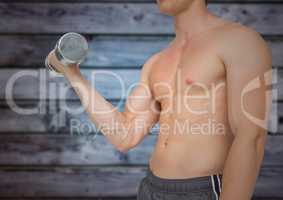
<point x="70" y="49"/>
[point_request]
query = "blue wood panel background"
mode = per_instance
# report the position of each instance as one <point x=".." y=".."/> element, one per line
<point x="54" y="154"/>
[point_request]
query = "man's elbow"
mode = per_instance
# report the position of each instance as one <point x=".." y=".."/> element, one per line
<point x="126" y="145"/>
<point x="260" y="140"/>
<point x="255" y="136"/>
<point x="259" y="136"/>
<point x="125" y="148"/>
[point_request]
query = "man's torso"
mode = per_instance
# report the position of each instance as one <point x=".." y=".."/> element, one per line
<point x="188" y="81"/>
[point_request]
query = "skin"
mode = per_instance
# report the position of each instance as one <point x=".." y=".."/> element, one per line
<point x="200" y="76"/>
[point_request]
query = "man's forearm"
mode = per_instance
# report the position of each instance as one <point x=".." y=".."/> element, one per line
<point x="106" y="117"/>
<point x="242" y="167"/>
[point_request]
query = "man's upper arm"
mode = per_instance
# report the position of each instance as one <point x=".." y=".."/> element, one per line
<point x="141" y="110"/>
<point x="249" y="72"/>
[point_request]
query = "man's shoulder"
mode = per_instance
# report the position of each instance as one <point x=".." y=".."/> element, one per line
<point x="241" y="35"/>
<point x="151" y="60"/>
<point x="237" y="39"/>
<point x="242" y="45"/>
<point x="146" y="68"/>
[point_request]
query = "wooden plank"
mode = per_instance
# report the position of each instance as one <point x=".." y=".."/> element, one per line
<point x="124" y="18"/>
<point x="40" y="84"/>
<point x="268" y="184"/>
<point x="14" y="122"/>
<point x="279" y="85"/>
<point x="49" y="117"/>
<point x="267" y="198"/>
<point x="82" y="150"/>
<point x="280" y="118"/>
<point x="113" y="198"/>
<point x="91" y="198"/>
<point x="117" y="198"/>
<point x="69" y="182"/>
<point x="273" y="151"/>
<point x="140" y="1"/>
<point x="105" y="51"/>
<point x="101" y="182"/>
<point x="276" y="48"/>
<point x="70" y="150"/>
<point x="273" y="120"/>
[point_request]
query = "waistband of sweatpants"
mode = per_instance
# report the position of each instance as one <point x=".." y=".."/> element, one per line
<point x="194" y="184"/>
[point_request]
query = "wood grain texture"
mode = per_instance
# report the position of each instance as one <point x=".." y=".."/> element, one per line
<point x="280" y="118"/>
<point x="82" y="150"/>
<point x="54" y="154"/>
<point x="139" y="1"/>
<point x="101" y="182"/>
<point x="70" y="150"/>
<point x="40" y="84"/>
<point x="115" y="198"/>
<point x="91" y="198"/>
<point x="124" y="18"/>
<point x="279" y="85"/>
<point x="266" y="180"/>
<point x="111" y="198"/>
<point x="55" y="117"/>
<point x="71" y="182"/>
<point x="105" y="51"/>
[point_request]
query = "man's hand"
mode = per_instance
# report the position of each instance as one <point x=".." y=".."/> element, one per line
<point x="60" y="67"/>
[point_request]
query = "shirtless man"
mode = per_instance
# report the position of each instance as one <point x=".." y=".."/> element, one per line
<point x="198" y="80"/>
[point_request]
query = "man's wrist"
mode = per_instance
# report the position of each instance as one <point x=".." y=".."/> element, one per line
<point x="72" y="71"/>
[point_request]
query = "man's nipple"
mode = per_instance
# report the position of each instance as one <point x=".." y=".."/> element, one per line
<point x="189" y="81"/>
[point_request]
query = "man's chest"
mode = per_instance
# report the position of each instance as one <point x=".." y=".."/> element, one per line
<point x="186" y="70"/>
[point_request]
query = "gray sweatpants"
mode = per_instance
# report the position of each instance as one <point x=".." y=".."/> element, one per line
<point x="197" y="188"/>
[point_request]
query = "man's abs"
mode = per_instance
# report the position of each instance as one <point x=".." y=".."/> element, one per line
<point x="191" y="144"/>
<point x="184" y="155"/>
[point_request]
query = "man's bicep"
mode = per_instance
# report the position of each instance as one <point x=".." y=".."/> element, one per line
<point x="139" y="102"/>
<point x="140" y="106"/>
